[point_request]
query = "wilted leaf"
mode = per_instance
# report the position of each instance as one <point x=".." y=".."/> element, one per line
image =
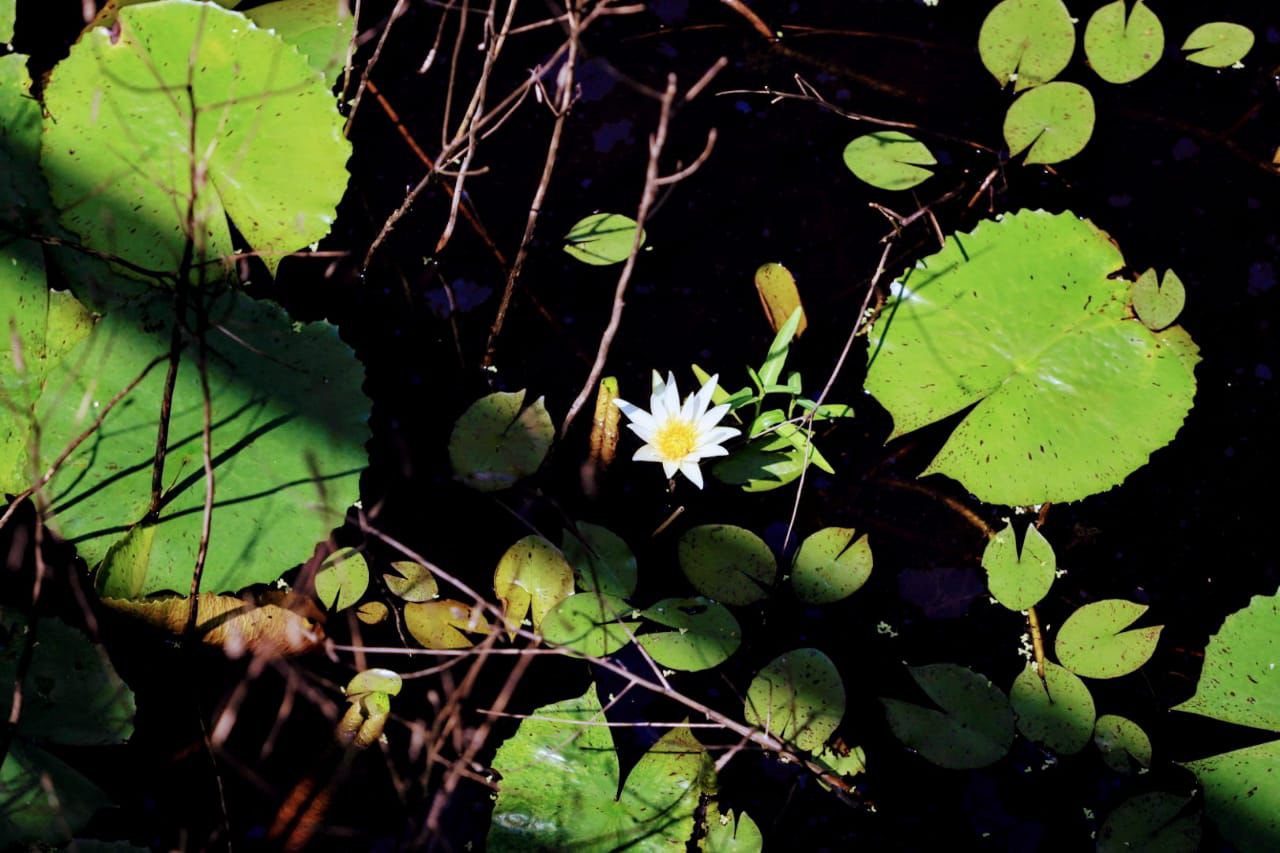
<point x="727" y="563"/>
<point x="236" y="625"/>
<point x="494" y="443"/>
<point x="779" y="297"/>
<point x="1092" y="641"/>
<point x="372" y="612"/>
<point x="798" y="698"/>
<point x="1056" y="710"/>
<point x="830" y="565"/>
<point x="440" y="624"/>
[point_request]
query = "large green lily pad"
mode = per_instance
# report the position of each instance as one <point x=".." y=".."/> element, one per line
<point x="727" y="563"/>
<point x="1018" y="323"/>
<point x="289" y="426"/>
<point x="321" y="29"/>
<point x="268" y="145"/>
<point x="798" y="697"/>
<point x="560" y="786"/>
<point x="1242" y="795"/>
<point x="1240" y="682"/>
<point x="1056" y="710"/>
<point x="494" y="442"/>
<point x="974" y="727"/>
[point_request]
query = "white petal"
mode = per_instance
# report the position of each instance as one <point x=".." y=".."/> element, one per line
<point x="691" y="470"/>
<point x="646" y="434"/>
<point x="655" y="396"/>
<point x="636" y="414"/>
<point x="718" y="435"/>
<point x="670" y="468"/>
<point x="704" y="397"/>
<point x="648" y="453"/>
<point x="707" y="452"/>
<point x="671" y="396"/>
<point x="711" y="418"/>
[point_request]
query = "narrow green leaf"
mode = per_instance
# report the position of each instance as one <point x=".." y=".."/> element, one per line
<point x="830" y="565"/>
<point x="974" y="727"/>
<point x="1056" y="710"/>
<point x="776" y="358"/>
<point x="1019" y="580"/>
<point x="727" y="563"/>
<point x="889" y="159"/>
<point x="798" y="697"/>
<point x="1092" y="641"/>
<point x="1051" y="123"/>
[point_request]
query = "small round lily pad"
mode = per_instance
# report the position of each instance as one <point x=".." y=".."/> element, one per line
<point x="602" y="239"/>
<point x="889" y="159"/>
<point x="727" y="563"/>
<point x="1051" y="123"/>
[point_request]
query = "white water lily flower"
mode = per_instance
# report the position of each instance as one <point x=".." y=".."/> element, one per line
<point x="678" y="435"/>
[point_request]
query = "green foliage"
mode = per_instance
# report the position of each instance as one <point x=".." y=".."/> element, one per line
<point x="1242" y="795"/>
<point x="1027" y="42"/>
<point x="1092" y="641"/>
<point x="1218" y="44"/>
<point x="1055" y="709"/>
<point x="705" y="635"/>
<point x="560" y="785"/>
<point x="1156" y="822"/>
<point x="1019" y="580"/>
<point x="727" y="563"/>
<point x="531" y="576"/>
<point x="590" y="623"/>
<point x="601" y="560"/>
<point x="1158" y="305"/>
<point x="798" y="698"/>
<point x="412" y="581"/>
<point x="726" y="835"/>
<point x="342" y="579"/>
<point x="1017" y="319"/>
<point x="1051" y="123"/>
<point x="8" y="9"/>
<point x="889" y="159"/>
<point x="119" y="156"/>
<point x="374" y="681"/>
<point x="1122" y="743"/>
<point x="1123" y="43"/>
<point x="441" y="624"/>
<point x="830" y="565"/>
<point x="495" y="443"/>
<point x="974" y="727"/>
<point x="320" y="29"/>
<point x="602" y="239"/>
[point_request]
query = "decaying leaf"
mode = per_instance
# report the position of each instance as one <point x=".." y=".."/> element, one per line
<point x="237" y="625"/>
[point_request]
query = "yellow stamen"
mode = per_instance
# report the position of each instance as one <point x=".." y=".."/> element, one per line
<point x="675" y="440"/>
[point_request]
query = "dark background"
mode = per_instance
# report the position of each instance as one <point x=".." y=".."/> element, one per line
<point x="1177" y="172"/>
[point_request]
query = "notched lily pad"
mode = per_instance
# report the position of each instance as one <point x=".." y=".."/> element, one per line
<point x="411" y="581"/>
<point x="830" y="565"/>
<point x="889" y="159"/>
<point x="1056" y="710"/>
<point x="601" y="559"/>
<point x="443" y="623"/>
<point x="1122" y="743"/>
<point x="1123" y="43"/>
<point x="724" y="834"/>
<point x="1158" y="305"/>
<point x="727" y="563"/>
<point x="1027" y="42"/>
<point x="374" y="681"/>
<point x="1218" y="44"/>
<point x="1155" y="822"/>
<point x="1051" y="123"/>
<point x="706" y="633"/>
<point x="798" y="697"/>
<point x="974" y="727"/>
<point x="531" y="576"/>
<point x="1019" y="580"/>
<point x="495" y="443"/>
<point x="342" y="579"/>
<point x="1092" y="641"/>
<point x="602" y="239"/>
<point x="591" y="623"/>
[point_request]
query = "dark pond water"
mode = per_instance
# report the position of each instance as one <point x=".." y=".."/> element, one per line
<point x="1177" y="172"/>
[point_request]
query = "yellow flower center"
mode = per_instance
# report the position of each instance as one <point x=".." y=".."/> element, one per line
<point x="675" y="440"/>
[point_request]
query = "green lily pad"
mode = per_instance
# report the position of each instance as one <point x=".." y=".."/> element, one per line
<point x="24" y="198"/>
<point x="1121" y="44"/>
<point x="889" y="159"/>
<point x="974" y="727"/>
<point x="374" y="681"/>
<point x="289" y="427"/>
<point x="1092" y="642"/>
<point x="601" y="560"/>
<point x="560" y="786"/>
<point x="116" y="152"/>
<point x="798" y="698"/>
<point x="1156" y="822"/>
<point x="1019" y="320"/>
<point x="495" y="443"/>
<point x="372" y="612"/>
<point x="342" y="579"/>
<point x="532" y="575"/>
<point x="590" y="623"/>
<point x="1056" y="710"/>
<point x="1242" y="795"/>
<point x="412" y="581"/>
<point x="31" y="814"/>
<point x="1051" y="123"/>
<point x="1218" y="44"/>
<point x="320" y="29"/>
<point x="1019" y="580"/>
<point x="1027" y="42"/>
<point x="1158" y="305"/>
<point x="830" y="565"/>
<point x="441" y="624"/>
<point x="1240" y="682"/>
<point x="1122" y="742"/>
<point x="705" y="634"/>
<point x="727" y="835"/>
<point x="8" y="14"/>
<point x="602" y="239"/>
<point x="727" y="563"/>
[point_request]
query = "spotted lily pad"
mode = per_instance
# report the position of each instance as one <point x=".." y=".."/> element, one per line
<point x="889" y="159"/>
<point x="705" y="634"/>
<point x="1122" y="743"/>
<point x="1019" y="580"/>
<point x="1027" y="42"/>
<point x="411" y="581"/>
<point x="974" y="727"/>
<point x="443" y="623"/>
<point x="1242" y="795"/>
<point x="1123" y="44"/>
<point x="1092" y="641"/>
<point x="342" y="579"/>
<point x="1018" y="325"/>
<point x="1240" y="682"/>
<point x="831" y="564"/>
<point x="727" y="835"/>
<point x="798" y="697"/>
<point x="495" y="443"/>
<point x="1218" y="44"/>
<point x="601" y="559"/>
<point x="531" y="576"/>
<point x="1056" y="710"/>
<point x="320" y="29"/>
<point x="591" y="623"/>
<point x="1158" y="305"/>
<point x="602" y="239"/>
<point x="727" y="563"/>
<point x="1155" y="822"/>
<point x="1051" y="123"/>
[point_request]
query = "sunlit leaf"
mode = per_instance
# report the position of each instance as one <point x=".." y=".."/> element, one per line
<point x="602" y="239"/>
<point x="1240" y="682"/>
<point x="342" y="579"/>
<point x="1018" y="325"/>
<point x="590" y="623"/>
<point x="780" y="347"/>
<point x="320" y="29"/>
<point x="1121" y="742"/>
<point x="374" y="681"/>
<point x="440" y="624"/>
<point x="705" y="634"/>
<point x="117" y="156"/>
<point x="1242" y="795"/>
<point x="1158" y="305"/>
<point x="560" y="778"/>
<point x="726" y="835"/>
<point x="889" y="159"/>
<point x="1218" y="44"/>
<point x="8" y="10"/>
<point x="1123" y="44"/>
<point x="372" y="612"/>
<point x="412" y="581"/>
<point x="1019" y="580"/>
<point x="365" y="718"/>
<point x="1051" y="123"/>
<point x="974" y="727"/>
<point x="726" y="563"/>
<point x="798" y="698"/>
<point x="1028" y="42"/>
<point x="601" y="560"/>
<point x="1056" y="710"/>
<point x="1093" y="642"/>
<point x="779" y="297"/>
<point x="830" y="565"/>
<point x="532" y="575"/>
<point x="231" y="623"/>
<point x="1156" y="822"/>
<point x="494" y="443"/>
